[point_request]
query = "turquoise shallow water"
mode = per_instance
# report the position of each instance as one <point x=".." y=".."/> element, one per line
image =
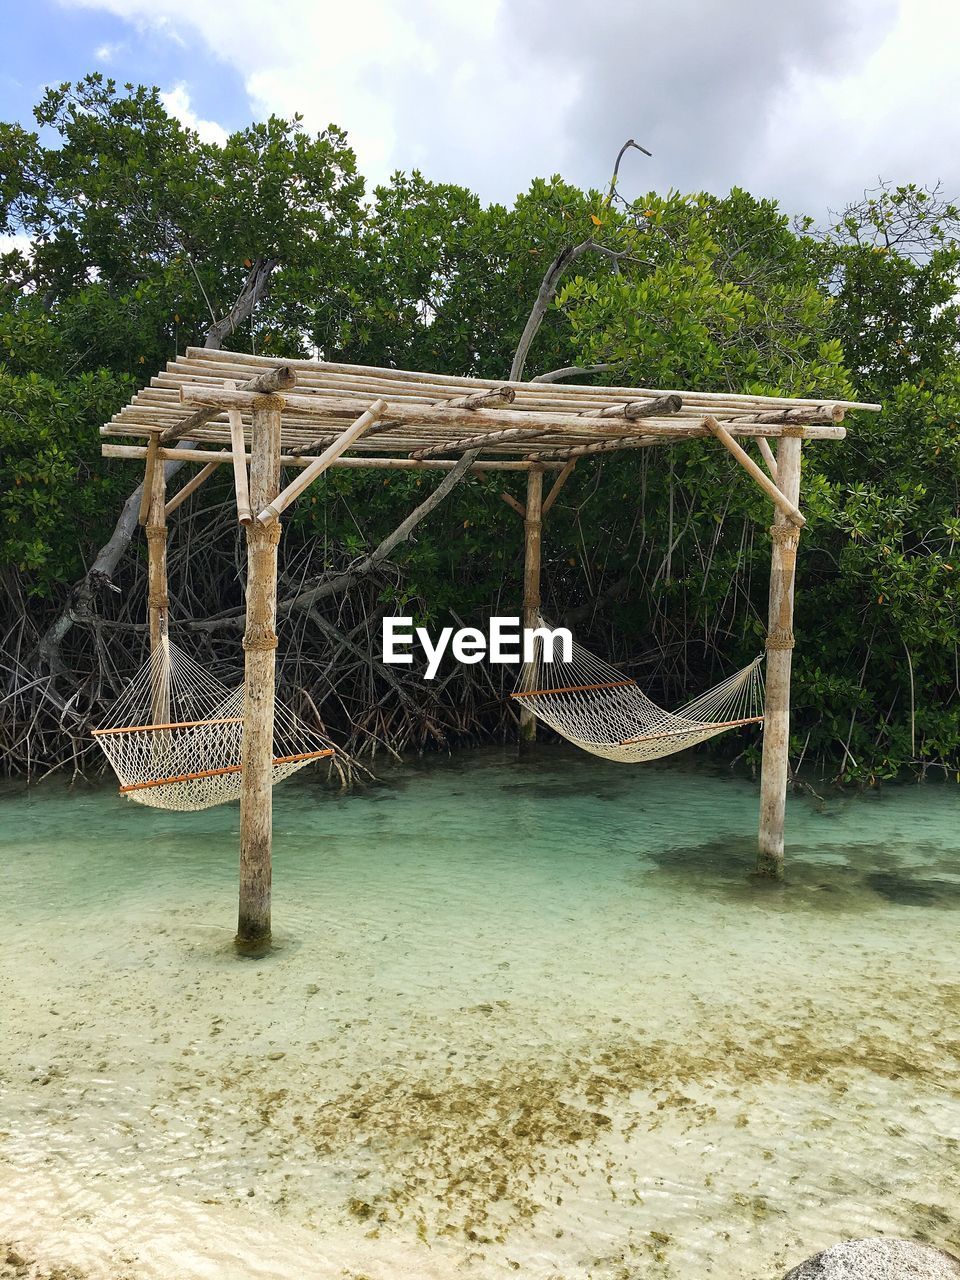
<point x="530" y="1016"/>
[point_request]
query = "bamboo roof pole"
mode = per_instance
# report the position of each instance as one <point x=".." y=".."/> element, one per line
<point x="165" y="387"/>
<point x="366" y="374"/>
<point x="775" y="762"/>
<point x="532" y="528"/>
<point x="259" y="675"/>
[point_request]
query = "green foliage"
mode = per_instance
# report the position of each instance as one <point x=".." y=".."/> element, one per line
<point x="56" y="496"/>
<point x="142" y="234"/>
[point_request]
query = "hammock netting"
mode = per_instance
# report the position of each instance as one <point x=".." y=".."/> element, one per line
<point x="175" y="735"/>
<point x="600" y="710"/>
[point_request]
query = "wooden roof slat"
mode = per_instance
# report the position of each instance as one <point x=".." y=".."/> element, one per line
<point x="428" y="415"/>
<point x="473" y="384"/>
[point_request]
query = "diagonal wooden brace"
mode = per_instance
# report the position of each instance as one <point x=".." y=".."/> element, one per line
<point x="274" y="509"/>
<point x="789" y="509"/>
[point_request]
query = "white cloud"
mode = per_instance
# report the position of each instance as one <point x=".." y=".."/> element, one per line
<point x="23" y="243"/>
<point x="107" y="52"/>
<point x="807" y="100"/>
<point x="893" y="116"/>
<point x="177" y="102"/>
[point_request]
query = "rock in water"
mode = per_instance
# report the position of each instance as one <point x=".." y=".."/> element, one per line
<point x="879" y="1259"/>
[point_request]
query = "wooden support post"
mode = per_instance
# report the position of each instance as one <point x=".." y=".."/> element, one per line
<point x="260" y="644"/>
<point x="158" y="604"/>
<point x="531" y="590"/>
<point x="775" y="763"/>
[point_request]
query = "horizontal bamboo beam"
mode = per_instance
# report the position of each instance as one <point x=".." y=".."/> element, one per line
<point x="219" y="399"/>
<point x="359" y="463"/>
<point x="277" y="379"/>
<point x="465" y="443"/>
<point x="684" y="431"/>
<point x="273" y="510"/>
<point x="180" y="497"/>
<point x="791" y="511"/>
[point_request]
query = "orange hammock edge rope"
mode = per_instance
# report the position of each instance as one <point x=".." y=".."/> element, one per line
<point x="174" y="724"/>
<point x="216" y="773"/>
<point x="679" y="733"/>
<point x="574" y="688"/>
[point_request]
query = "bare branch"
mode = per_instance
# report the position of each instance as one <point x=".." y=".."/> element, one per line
<point x="573" y="371"/>
<point x="627" y="146"/>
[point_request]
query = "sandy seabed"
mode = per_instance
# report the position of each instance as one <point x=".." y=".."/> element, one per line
<point x="532" y="1019"/>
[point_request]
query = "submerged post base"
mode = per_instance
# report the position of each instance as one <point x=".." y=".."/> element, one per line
<point x="770" y="865"/>
<point x="253" y="945"/>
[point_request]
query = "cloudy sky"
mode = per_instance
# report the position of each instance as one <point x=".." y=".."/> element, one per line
<point x="806" y="100"/>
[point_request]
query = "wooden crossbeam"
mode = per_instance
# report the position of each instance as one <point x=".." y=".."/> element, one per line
<point x="360" y="462"/>
<point x="633" y="410"/>
<point x="281" y="378"/>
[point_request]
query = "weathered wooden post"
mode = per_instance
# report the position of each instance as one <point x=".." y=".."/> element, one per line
<point x="532" y="523"/>
<point x="260" y="645"/>
<point x="153" y="513"/>
<point x="775" y="764"/>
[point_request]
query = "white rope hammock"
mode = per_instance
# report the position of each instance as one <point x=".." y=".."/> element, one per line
<point x="174" y="737"/>
<point x="598" y="709"/>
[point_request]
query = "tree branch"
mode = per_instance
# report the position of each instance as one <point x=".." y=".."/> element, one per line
<point x="573" y="371"/>
<point x="612" y="191"/>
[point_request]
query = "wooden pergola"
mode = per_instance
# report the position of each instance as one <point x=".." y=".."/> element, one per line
<point x="258" y="415"/>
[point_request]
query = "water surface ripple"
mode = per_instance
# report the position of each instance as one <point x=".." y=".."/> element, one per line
<point x="524" y="1017"/>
